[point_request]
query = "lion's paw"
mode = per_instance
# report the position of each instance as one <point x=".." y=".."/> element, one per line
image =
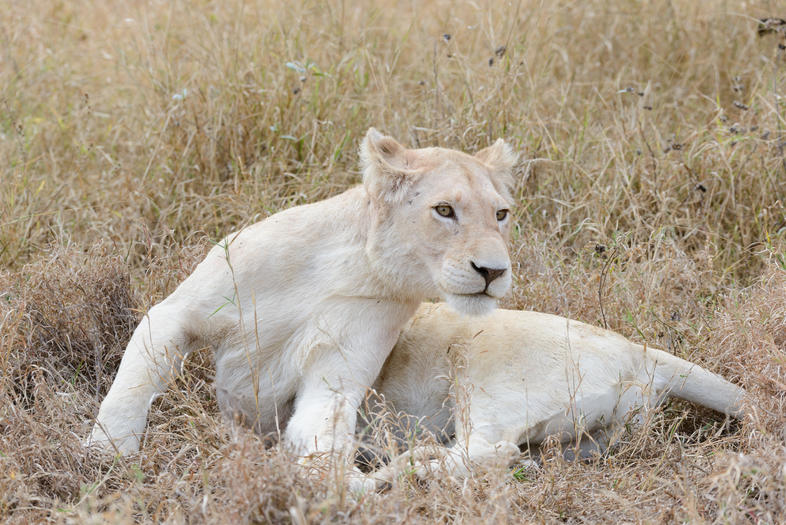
<point x="99" y="441"/>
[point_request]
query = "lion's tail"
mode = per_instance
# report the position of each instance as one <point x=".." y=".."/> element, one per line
<point x="689" y="381"/>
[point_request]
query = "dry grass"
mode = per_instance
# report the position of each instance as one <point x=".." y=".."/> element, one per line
<point x="650" y="199"/>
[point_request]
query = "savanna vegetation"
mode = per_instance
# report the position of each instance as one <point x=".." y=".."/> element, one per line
<point x="649" y="199"/>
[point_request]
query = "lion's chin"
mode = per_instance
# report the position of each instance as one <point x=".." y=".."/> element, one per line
<point x="471" y="304"/>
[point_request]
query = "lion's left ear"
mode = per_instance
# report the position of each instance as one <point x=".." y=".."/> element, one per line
<point x="500" y="158"/>
<point x="387" y="169"/>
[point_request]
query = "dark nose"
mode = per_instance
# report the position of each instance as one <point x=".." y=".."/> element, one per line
<point x="489" y="274"/>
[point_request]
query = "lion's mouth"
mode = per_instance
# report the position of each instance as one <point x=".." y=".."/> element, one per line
<point x="477" y="294"/>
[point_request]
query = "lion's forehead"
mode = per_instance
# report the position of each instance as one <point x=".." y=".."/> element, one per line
<point x="463" y="185"/>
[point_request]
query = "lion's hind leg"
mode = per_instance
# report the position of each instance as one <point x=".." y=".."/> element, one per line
<point x="456" y="460"/>
<point x="153" y="354"/>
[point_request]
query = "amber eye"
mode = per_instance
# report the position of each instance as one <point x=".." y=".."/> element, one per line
<point x="445" y="211"/>
<point x="501" y="215"/>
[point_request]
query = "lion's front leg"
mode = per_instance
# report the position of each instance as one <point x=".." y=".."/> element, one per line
<point x="326" y="406"/>
<point x="322" y="427"/>
<point x="342" y="356"/>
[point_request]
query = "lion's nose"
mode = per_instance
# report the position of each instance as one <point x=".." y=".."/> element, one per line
<point x="489" y="274"/>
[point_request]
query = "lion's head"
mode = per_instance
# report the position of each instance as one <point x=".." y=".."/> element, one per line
<point x="441" y="220"/>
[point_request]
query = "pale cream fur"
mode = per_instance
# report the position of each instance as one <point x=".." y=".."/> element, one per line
<point x="303" y="308"/>
<point x="514" y="378"/>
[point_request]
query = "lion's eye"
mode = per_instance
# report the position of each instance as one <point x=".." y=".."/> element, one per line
<point x="445" y="211"/>
<point x="501" y="215"/>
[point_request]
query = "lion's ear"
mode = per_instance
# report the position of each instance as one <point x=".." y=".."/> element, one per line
<point x="500" y="158"/>
<point x="386" y="169"/>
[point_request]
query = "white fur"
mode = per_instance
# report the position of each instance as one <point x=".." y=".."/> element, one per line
<point x="303" y="308"/>
<point x="514" y="378"/>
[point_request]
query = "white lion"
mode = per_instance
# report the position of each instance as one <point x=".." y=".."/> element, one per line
<point x="515" y="378"/>
<point x="303" y="308"/>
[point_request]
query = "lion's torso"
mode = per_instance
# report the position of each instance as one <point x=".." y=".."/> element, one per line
<point x="529" y="372"/>
<point x="268" y="297"/>
<point x="527" y="375"/>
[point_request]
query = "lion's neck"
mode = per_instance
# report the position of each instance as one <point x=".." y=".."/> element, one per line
<point x="392" y="262"/>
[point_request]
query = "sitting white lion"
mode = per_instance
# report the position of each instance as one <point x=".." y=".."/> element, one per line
<point x="303" y="308"/>
<point x="515" y="378"/>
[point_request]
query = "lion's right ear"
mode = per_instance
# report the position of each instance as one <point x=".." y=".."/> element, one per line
<point x="387" y="172"/>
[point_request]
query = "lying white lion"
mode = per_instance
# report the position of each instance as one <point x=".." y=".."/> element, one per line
<point x="514" y="378"/>
<point x="303" y="308"/>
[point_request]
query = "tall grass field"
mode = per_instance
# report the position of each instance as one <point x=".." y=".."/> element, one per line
<point x="650" y="198"/>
